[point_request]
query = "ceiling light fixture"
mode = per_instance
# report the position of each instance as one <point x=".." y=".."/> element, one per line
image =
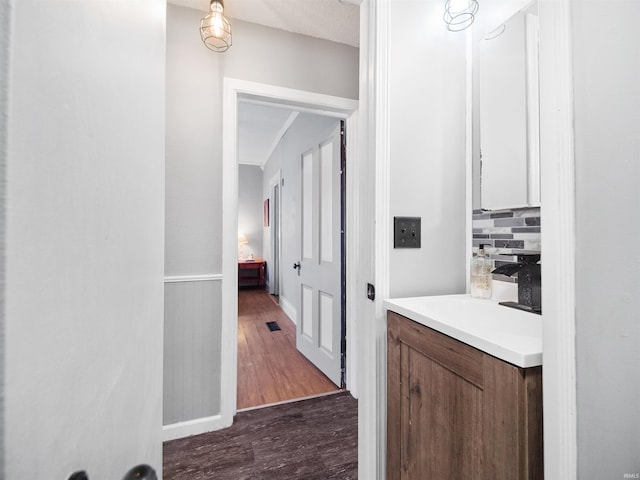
<point x="215" y="29"/>
<point x="460" y="14"/>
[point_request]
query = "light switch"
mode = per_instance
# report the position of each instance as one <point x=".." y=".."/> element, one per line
<point x="406" y="232"/>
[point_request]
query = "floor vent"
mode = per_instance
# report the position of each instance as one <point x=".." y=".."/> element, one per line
<point x="273" y="326"/>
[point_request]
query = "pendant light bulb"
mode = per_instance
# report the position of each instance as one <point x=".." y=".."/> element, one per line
<point x="215" y="30"/>
<point x="216" y="23"/>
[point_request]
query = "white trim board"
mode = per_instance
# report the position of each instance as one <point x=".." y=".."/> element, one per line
<point x="289" y="309"/>
<point x="276" y="180"/>
<point x="353" y="218"/>
<point x="235" y="91"/>
<point x="469" y="160"/>
<point x="188" y="428"/>
<point x="373" y="248"/>
<point x="558" y="241"/>
<point x="193" y="278"/>
<point x="382" y="153"/>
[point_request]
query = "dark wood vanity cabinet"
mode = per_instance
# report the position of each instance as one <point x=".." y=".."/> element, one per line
<point x="454" y="411"/>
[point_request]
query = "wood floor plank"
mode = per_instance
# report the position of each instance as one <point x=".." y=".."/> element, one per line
<point x="270" y="368"/>
<point x="314" y="439"/>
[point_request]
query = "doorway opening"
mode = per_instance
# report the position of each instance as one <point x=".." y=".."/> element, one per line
<point x="292" y="190"/>
<point x="237" y="91"/>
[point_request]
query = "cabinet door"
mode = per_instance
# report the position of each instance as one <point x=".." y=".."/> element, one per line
<point x="455" y="412"/>
<point x="511" y="421"/>
<point x="434" y="405"/>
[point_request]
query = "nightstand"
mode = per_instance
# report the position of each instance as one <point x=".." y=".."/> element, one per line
<point x="251" y="272"/>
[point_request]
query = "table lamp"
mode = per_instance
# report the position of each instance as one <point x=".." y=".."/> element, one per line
<point x="242" y="241"/>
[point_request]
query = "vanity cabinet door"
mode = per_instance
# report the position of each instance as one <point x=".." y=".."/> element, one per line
<point x="456" y="412"/>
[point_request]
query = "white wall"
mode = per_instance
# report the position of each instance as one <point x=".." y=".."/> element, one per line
<point x="84" y="245"/>
<point x="606" y="44"/>
<point x="427" y="97"/>
<point x="194" y="154"/>
<point x="250" y="208"/>
<point x="194" y="116"/>
<point x="305" y="133"/>
<point x="5" y="37"/>
<point x="193" y="158"/>
<point x="276" y="57"/>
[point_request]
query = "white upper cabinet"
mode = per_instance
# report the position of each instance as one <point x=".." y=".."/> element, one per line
<point x="509" y="113"/>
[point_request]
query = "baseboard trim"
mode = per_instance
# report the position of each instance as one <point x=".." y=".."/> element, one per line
<point x="294" y="400"/>
<point x="288" y="309"/>
<point x="193" y="278"/>
<point x="188" y="428"/>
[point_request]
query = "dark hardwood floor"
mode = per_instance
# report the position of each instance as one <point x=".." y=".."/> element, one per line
<point x="270" y="368"/>
<point x="314" y="439"/>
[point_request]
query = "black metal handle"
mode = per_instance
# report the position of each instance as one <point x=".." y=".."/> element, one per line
<point x="296" y="265"/>
<point x="141" y="472"/>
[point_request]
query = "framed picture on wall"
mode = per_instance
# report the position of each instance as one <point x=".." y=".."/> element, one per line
<point x="266" y="213"/>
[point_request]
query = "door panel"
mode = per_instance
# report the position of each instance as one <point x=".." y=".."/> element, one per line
<point x="307" y="312"/>
<point x="307" y="205"/>
<point x="327" y="230"/>
<point x="319" y="331"/>
<point x="326" y="322"/>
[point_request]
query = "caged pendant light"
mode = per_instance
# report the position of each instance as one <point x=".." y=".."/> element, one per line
<point x="215" y="29"/>
<point x="460" y="14"/>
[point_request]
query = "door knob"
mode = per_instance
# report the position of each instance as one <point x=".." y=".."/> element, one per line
<point x="297" y="266"/>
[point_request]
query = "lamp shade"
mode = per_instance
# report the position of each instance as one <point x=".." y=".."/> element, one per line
<point x="242" y="239"/>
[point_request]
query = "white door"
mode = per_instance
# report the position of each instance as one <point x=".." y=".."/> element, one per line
<point x="319" y="331"/>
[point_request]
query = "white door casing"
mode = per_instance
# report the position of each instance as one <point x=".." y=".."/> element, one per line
<point x="557" y="185"/>
<point x="234" y="90"/>
<point x="318" y="333"/>
<point x="274" y="194"/>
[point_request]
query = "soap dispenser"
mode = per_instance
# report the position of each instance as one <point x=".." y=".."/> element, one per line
<point x="481" y="278"/>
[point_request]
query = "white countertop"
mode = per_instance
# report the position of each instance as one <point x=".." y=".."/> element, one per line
<point x="511" y="335"/>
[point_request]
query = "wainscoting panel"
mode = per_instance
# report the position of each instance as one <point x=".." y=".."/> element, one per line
<point x="191" y="348"/>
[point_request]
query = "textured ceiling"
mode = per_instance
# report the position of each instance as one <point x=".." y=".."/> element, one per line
<point x="335" y="20"/>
